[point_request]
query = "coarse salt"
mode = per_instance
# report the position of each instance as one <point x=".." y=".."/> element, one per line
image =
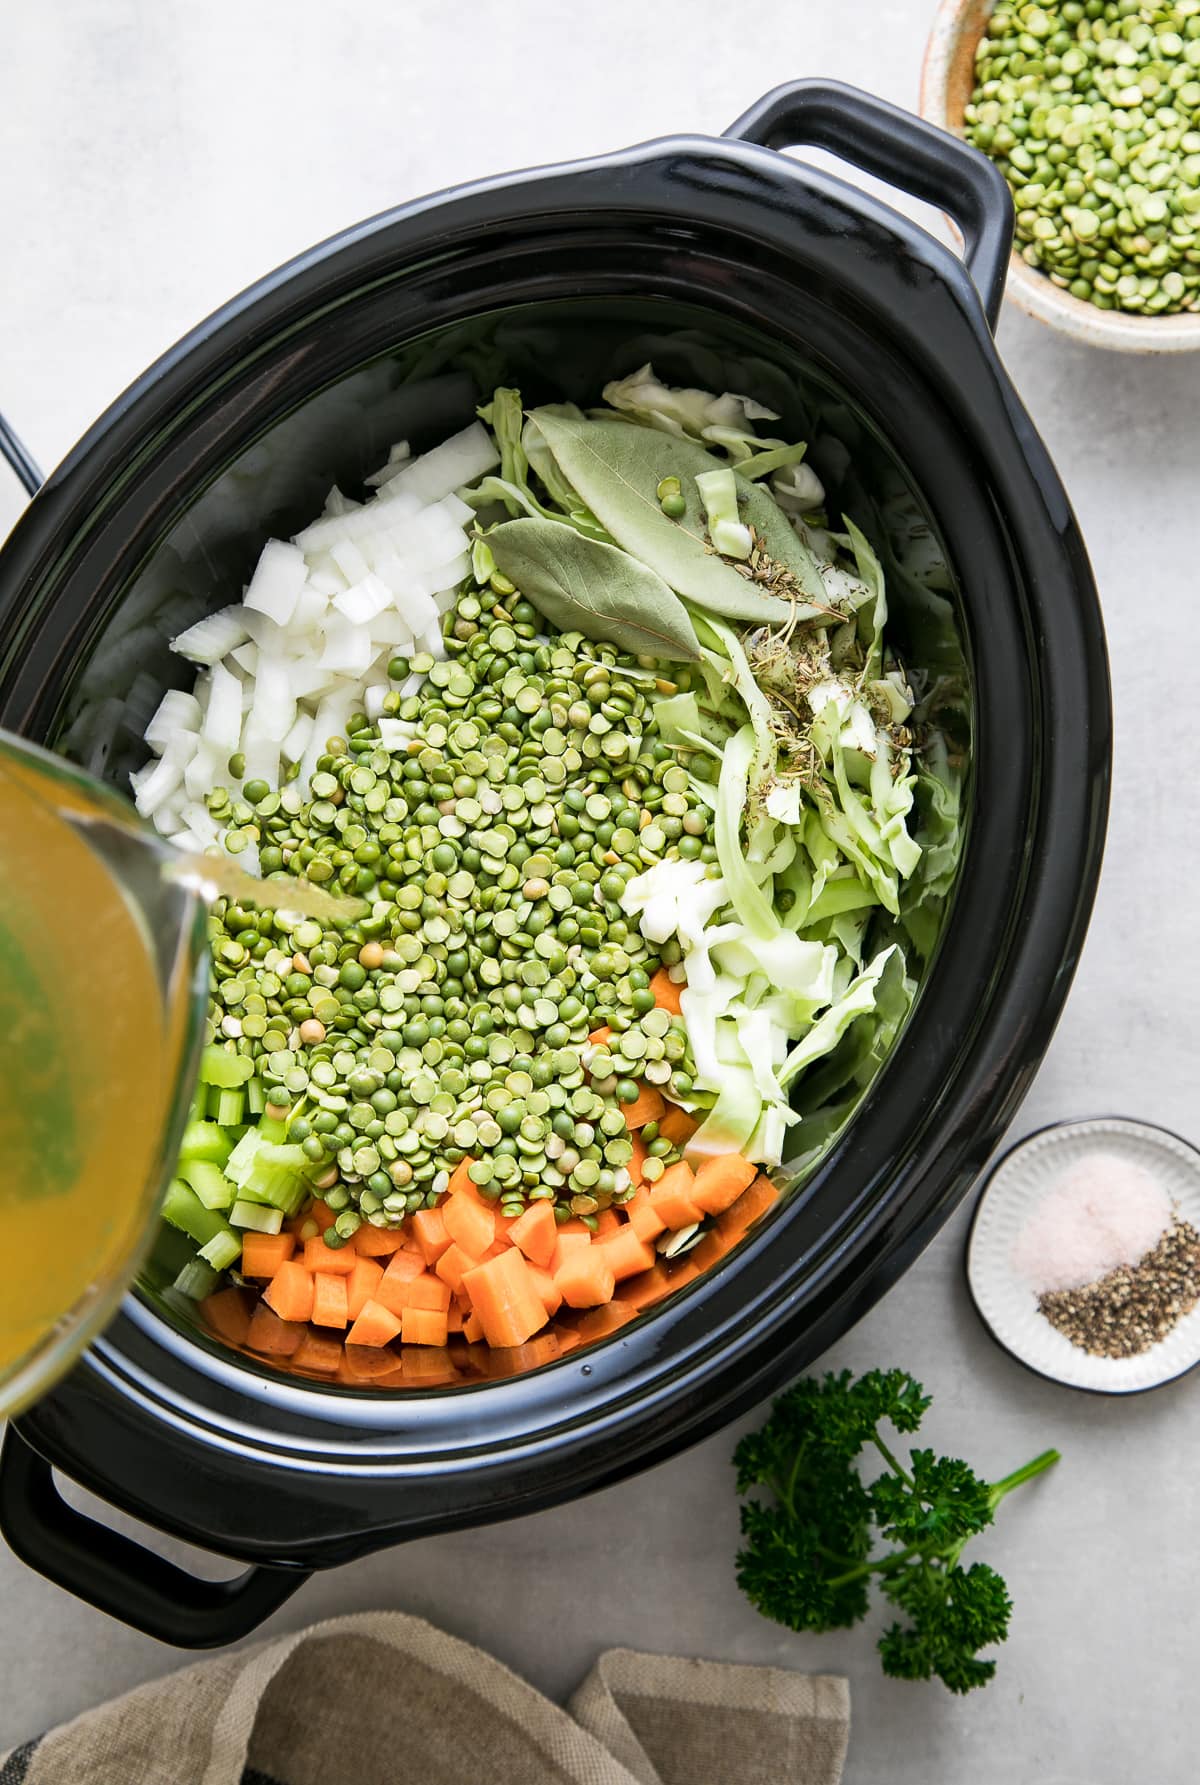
<point x="1103" y="1212"/>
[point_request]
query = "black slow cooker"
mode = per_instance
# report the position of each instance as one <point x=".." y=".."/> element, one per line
<point x="730" y="267"/>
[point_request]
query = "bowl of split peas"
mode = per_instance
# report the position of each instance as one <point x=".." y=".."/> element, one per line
<point x="1091" y="109"/>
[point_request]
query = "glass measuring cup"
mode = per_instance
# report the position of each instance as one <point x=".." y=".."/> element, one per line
<point x="103" y="989"/>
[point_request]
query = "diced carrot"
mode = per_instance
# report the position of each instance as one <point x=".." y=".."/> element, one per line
<point x="547" y="1288"/>
<point x="711" y="1250"/>
<point x="469" y="1224"/>
<point x="451" y="1265"/>
<point x="428" y="1292"/>
<point x="536" y="1232"/>
<point x="495" y="1250"/>
<point x="366" y="1363"/>
<point x="376" y="1325"/>
<point x="320" y="1257"/>
<point x="720" y="1180"/>
<point x="504" y="1226"/>
<point x="601" y="1037"/>
<point x="430" y="1232"/>
<point x="682" y="1270"/>
<point x="404" y="1265"/>
<point x="290" y="1292"/>
<point x="666" y="992"/>
<point x="362" y="1285"/>
<point x="227" y="1313"/>
<point x="275" y="1337"/>
<point x="574" y="1225"/>
<point x="626" y="1253"/>
<point x="514" y="1360"/>
<point x="319" y="1351"/>
<point x="749" y="1207"/>
<point x="379" y="1242"/>
<point x="504" y="1296"/>
<point x="455" y="1318"/>
<point x="569" y="1243"/>
<point x="607" y="1221"/>
<point x="568" y="1339"/>
<point x="330" y="1302"/>
<point x="428" y="1366"/>
<point x="647" y="1107"/>
<point x="671" y="1197"/>
<point x="263" y="1253"/>
<point x="644" y="1218"/>
<point x="472" y="1328"/>
<point x="321" y="1213"/>
<point x="648" y="1287"/>
<point x="423" y="1326"/>
<point x="460" y="1178"/>
<point x="585" y="1278"/>
<point x="677" y="1126"/>
<point x="634" y="1167"/>
<point x="599" y="1322"/>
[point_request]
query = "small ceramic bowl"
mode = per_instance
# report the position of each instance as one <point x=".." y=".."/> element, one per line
<point x="1007" y="1304"/>
<point x="947" y="81"/>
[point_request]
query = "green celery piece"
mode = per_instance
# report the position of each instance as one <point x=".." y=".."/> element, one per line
<point x="209" y="1182"/>
<point x="226" y="1070"/>
<point x="276" y="1185"/>
<point x="197" y="1279"/>
<point x="183" y="1209"/>
<point x="223" y="1250"/>
<point x="230" y="1106"/>
<point x="256" y="1097"/>
<point x="205" y="1140"/>
<point x="258" y="1217"/>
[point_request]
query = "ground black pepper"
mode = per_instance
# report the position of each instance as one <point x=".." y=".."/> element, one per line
<point x="1134" y="1306"/>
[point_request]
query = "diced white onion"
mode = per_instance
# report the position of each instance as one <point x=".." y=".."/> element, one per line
<point x="177" y="711"/>
<point x="373" y="699"/>
<point x="246" y="657"/>
<point x="223" y="718"/>
<point x="457" y="461"/>
<point x="350" y="561"/>
<point x="297" y="740"/>
<point x="213" y="637"/>
<point x="278" y="579"/>
<point x="361" y="603"/>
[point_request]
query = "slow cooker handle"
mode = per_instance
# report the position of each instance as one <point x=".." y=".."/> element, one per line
<point x="20" y="458"/>
<point x="895" y="146"/>
<point x="117" y="1575"/>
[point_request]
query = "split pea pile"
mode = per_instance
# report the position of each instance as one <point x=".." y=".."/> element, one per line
<point x="1091" y="108"/>
<point x="492" y="837"/>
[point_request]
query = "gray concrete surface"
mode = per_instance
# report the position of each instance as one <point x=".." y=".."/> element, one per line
<point x="154" y="159"/>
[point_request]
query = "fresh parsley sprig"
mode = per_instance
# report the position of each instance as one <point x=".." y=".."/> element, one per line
<point x="808" y="1560"/>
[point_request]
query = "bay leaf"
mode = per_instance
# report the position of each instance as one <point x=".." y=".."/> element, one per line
<point x="583" y="585"/>
<point x="616" y="466"/>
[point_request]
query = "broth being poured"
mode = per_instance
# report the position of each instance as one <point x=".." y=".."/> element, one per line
<point x="102" y="986"/>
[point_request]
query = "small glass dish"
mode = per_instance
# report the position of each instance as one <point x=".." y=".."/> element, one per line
<point x="1005" y="1301"/>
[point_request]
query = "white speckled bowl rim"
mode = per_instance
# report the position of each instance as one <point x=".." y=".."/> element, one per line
<point x="1007" y="1304"/>
<point x="1029" y="289"/>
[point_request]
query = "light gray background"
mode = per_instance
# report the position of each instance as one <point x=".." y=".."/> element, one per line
<point x="156" y="158"/>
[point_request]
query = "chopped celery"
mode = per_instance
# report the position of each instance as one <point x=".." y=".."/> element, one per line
<point x="209" y="1182"/>
<point x="275" y="1185"/>
<point x="256" y="1097"/>
<point x="226" y="1070"/>
<point x="204" y="1140"/>
<point x="222" y="1250"/>
<point x="196" y="1280"/>
<point x="230" y="1106"/>
<point x="257" y="1216"/>
<point x="183" y="1209"/>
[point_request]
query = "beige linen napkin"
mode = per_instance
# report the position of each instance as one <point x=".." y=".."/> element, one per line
<point x="385" y="1699"/>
